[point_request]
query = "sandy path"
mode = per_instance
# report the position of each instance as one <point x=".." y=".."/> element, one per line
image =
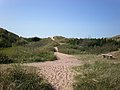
<point x="58" y="72"/>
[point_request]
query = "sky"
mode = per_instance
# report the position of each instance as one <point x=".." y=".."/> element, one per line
<point x="68" y="18"/>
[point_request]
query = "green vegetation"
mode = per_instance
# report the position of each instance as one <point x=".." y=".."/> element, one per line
<point x="68" y="49"/>
<point x="20" y="42"/>
<point x="29" y="49"/>
<point x="22" y="54"/>
<point x="22" y="78"/>
<point x="90" y="46"/>
<point x="61" y="39"/>
<point x="4" y="59"/>
<point x="97" y="73"/>
<point x="7" y="38"/>
<point x="15" y="49"/>
<point x="33" y="39"/>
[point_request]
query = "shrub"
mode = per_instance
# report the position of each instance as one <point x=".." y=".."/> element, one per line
<point x="4" y="59"/>
<point x="44" y="56"/>
<point x="93" y="45"/>
<point x="33" y="39"/>
<point x="19" y="78"/>
<point x="20" y="54"/>
<point x="21" y="42"/>
<point x="70" y="49"/>
<point x="98" y="76"/>
<point x="7" y="38"/>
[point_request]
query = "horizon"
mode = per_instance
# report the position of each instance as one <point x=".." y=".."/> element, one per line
<point x="59" y="36"/>
<point x="68" y="18"/>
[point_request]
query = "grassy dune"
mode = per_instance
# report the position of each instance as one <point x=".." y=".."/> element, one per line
<point x="97" y="73"/>
<point x="32" y="52"/>
<point x="17" y="77"/>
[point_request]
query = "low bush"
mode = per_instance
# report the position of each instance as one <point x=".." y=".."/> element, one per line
<point x="100" y="75"/>
<point x="70" y="49"/>
<point x="89" y="46"/>
<point x="4" y="59"/>
<point x="19" y="78"/>
<point x="75" y="49"/>
<point x="44" y="56"/>
<point x="20" y="42"/>
<point x="20" y="54"/>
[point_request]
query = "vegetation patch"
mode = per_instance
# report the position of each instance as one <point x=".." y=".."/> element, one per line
<point x="20" y="54"/>
<point x="37" y="51"/>
<point x="5" y="59"/>
<point x="101" y="74"/>
<point x="22" y="78"/>
<point x="89" y="46"/>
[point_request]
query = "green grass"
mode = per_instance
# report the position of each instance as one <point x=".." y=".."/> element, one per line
<point x="20" y="54"/>
<point x="69" y="49"/>
<point x="97" y="74"/>
<point x="39" y="51"/>
<point x="77" y="49"/>
<point x="18" y="77"/>
<point x="91" y="58"/>
<point x="5" y="59"/>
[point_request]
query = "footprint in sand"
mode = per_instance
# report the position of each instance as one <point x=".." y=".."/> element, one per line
<point x="58" y="72"/>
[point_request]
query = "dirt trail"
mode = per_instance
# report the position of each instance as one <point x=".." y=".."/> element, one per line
<point x="58" y="72"/>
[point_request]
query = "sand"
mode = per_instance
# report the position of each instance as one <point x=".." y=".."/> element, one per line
<point x="59" y="72"/>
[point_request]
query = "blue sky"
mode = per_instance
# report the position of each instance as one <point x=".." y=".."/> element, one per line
<point x="69" y="18"/>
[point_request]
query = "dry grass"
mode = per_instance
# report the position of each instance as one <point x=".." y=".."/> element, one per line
<point x="17" y="77"/>
<point x="98" y="73"/>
